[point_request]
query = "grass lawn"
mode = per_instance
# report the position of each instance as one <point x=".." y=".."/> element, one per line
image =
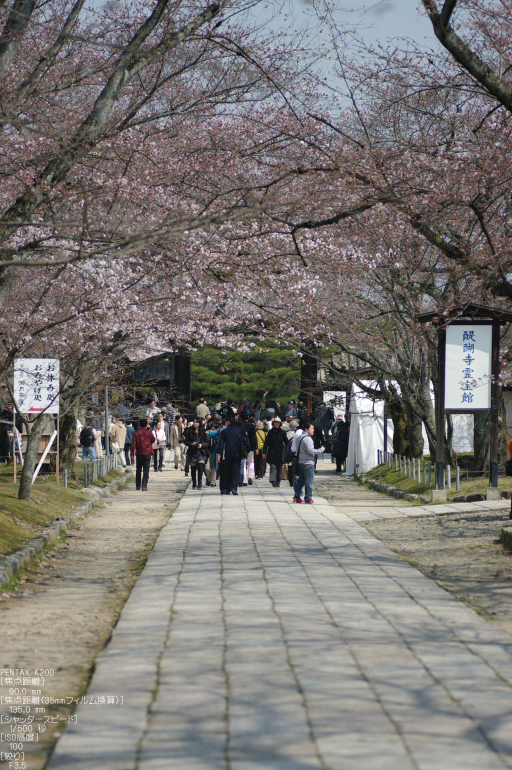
<point x="20" y="520"/>
<point x="389" y="476"/>
<point x="467" y="487"/>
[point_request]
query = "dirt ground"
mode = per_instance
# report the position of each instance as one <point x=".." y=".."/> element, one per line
<point x="460" y="552"/>
<point x="63" y="610"/>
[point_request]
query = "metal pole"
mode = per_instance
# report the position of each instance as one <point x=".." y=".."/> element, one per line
<point x="14" y="441"/>
<point x="57" y="468"/>
<point x="65" y="478"/>
<point x="425" y="472"/>
<point x="441" y="371"/>
<point x="385" y="427"/>
<point x="457" y="478"/>
<point x="449" y="475"/>
<point x="495" y="407"/>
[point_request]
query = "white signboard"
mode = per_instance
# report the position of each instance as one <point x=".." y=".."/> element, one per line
<point x="468" y="366"/>
<point x="36" y="385"/>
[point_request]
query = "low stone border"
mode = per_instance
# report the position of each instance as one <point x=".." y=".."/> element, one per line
<point x="388" y="489"/>
<point x="12" y="564"/>
<point x="506" y="536"/>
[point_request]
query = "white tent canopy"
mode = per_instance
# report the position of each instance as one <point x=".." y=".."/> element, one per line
<point x="367" y="431"/>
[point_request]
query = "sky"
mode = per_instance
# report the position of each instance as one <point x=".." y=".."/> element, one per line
<point x="376" y="21"/>
<point x="384" y="19"/>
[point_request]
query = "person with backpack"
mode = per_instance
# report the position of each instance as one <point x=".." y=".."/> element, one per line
<point x="259" y="459"/>
<point x="304" y="464"/>
<point x="87" y="438"/>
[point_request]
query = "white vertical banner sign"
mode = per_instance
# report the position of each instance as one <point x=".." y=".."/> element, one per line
<point x="468" y="367"/>
<point x="36" y="385"/>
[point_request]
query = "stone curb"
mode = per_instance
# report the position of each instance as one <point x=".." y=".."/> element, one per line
<point x="12" y="564"/>
<point x="388" y="489"/>
<point x="506" y="536"/>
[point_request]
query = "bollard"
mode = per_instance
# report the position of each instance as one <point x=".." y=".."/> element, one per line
<point x="430" y="474"/>
<point x="413" y="462"/>
<point x="457" y="478"/>
<point x="449" y="476"/>
<point x="425" y="472"/>
<point x="65" y="478"/>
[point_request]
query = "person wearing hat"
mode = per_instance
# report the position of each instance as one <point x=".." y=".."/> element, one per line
<point x="275" y="442"/>
<point x="291" y="410"/>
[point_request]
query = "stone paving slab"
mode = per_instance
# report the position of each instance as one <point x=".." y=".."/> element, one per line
<point x="267" y="635"/>
<point x="374" y="514"/>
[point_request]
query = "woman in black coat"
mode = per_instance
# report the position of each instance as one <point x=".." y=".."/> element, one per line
<point x="197" y="452"/>
<point x="275" y="442"/>
<point x="340" y="445"/>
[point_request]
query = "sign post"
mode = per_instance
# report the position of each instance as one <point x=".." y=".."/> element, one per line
<point x="36" y="390"/>
<point x="468" y="372"/>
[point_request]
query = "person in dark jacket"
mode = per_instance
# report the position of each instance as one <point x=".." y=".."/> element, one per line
<point x="130" y="432"/>
<point x="250" y="427"/>
<point x="230" y="444"/>
<point x="318" y="435"/>
<point x="275" y="442"/>
<point x="340" y="445"/>
<point x="142" y="448"/>
<point x="197" y="452"/>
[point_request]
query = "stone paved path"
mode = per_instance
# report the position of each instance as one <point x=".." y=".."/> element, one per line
<point x="363" y="504"/>
<point x="263" y="635"/>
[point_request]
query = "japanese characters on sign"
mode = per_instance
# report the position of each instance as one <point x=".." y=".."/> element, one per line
<point x="36" y="385"/>
<point x="468" y="367"/>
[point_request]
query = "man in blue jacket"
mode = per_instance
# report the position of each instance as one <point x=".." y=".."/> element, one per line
<point x="231" y="440"/>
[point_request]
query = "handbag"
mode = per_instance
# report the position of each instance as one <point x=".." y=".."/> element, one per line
<point x="295" y="463"/>
<point x="115" y="446"/>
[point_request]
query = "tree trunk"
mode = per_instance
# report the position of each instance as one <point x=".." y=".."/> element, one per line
<point x="67" y="444"/>
<point x="503" y="439"/>
<point x="397" y="413"/>
<point x="450" y="457"/>
<point x="481" y="436"/>
<point x="35" y="431"/>
<point x="414" y="432"/>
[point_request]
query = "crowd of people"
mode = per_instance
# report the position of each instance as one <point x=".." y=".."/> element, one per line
<point x="227" y="445"/>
